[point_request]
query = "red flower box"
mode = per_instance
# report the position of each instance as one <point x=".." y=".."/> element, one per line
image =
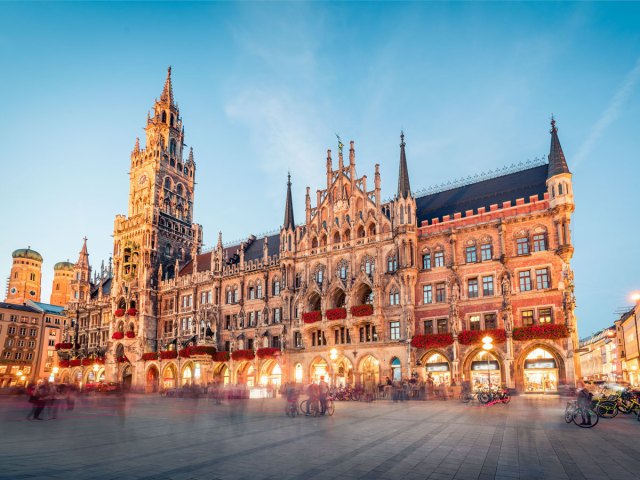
<point x="150" y="356"/>
<point x="221" y="356"/>
<point x="362" y="310"/>
<point x="86" y="362"/>
<point x="201" y="350"/>
<point x="74" y="363"/>
<point x="132" y="312"/>
<point x="117" y="335"/>
<point x="63" y="346"/>
<point x="131" y="334"/>
<point x="336" y="313"/>
<point x="549" y="331"/>
<point x="119" y="312"/>
<point x="268" y="352"/>
<point x="432" y="340"/>
<point x="63" y="363"/>
<point x="243" y="354"/>
<point x="184" y="353"/>
<point x="123" y="359"/>
<point x="473" y="337"/>
<point x="168" y="354"/>
<point x="312" y="317"/>
<point x="99" y="361"/>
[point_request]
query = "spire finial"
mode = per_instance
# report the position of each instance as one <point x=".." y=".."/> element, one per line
<point x="557" y="162"/>
<point x="553" y="124"/>
<point x="404" y="189"/>
<point x="167" y="92"/>
<point x="288" y="208"/>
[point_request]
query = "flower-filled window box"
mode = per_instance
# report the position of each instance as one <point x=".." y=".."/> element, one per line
<point x="474" y="337"/>
<point x="243" y="355"/>
<point x="336" y="313"/>
<point x="184" y="353"/>
<point x="117" y="335"/>
<point x="268" y="352"/>
<point x="221" y="356"/>
<point x="132" y="312"/>
<point x="130" y="334"/>
<point x="312" y="317"/>
<point x="549" y="331"/>
<point x="150" y="356"/>
<point x="86" y="362"/>
<point x="64" y="363"/>
<point x="432" y="340"/>
<point x="74" y="363"/>
<point x="63" y="346"/>
<point x="119" y="312"/>
<point x="362" y="310"/>
<point x="168" y="354"/>
<point x="123" y="359"/>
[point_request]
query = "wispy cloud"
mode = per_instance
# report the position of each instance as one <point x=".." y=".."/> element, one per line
<point x="611" y="113"/>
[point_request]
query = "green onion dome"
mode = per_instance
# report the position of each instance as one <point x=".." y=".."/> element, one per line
<point x="27" y="253"/>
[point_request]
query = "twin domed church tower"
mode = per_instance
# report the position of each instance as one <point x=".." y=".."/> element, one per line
<point x="360" y="290"/>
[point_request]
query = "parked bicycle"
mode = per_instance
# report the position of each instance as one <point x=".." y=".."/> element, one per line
<point x="582" y="416"/>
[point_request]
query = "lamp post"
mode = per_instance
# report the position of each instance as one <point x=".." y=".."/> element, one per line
<point x="487" y="344"/>
<point x="333" y="356"/>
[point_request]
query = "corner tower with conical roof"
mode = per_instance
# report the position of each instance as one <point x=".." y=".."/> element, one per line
<point x="26" y="277"/>
<point x="560" y="189"/>
<point x="61" y="292"/>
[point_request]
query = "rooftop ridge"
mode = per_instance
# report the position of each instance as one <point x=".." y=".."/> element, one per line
<point x="479" y="177"/>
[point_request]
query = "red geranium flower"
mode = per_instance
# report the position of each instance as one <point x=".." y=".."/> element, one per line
<point x="117" y="335"/>
<point x="150" y="356"/>
<point x="130" y="334"/>
<point x="168" y="354"/>
<point x="549" y="331"/>
<point x="337" y="313"/>
<point x="312" y="317"/>
<point x="362" y="310"/>
<point x="243" y="355"/>
<point x="268" y="352"/>
<point x="119" y="312"/>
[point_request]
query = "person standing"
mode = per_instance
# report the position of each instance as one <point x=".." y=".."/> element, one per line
<point x="323" y="390"/>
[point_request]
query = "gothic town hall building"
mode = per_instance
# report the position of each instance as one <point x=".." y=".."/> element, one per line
<point x="359" y="289"/>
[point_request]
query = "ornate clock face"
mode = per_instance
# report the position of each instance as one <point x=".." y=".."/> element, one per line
<point x="142" y="180"/>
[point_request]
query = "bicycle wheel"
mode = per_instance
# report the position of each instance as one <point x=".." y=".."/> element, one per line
<point x="484" y="397"/>
<point x="585" y="418"/>
<point x="330" y="407"/>
<point x="314" y="409"/>
<point x="624" y="407"/>
<point x="465" y="397"/>
<point x="607" y="409"/>
<point x="304" y="408"/>
<point x="568" y="415"/>
<point x="506" y="398"/>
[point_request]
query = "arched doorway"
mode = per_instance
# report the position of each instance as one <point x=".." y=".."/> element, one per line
<point x="187" y="375"/>
<point x="169" y="377"/>
<point x="343" y="373"/>
<point x="484" y="370"/>
<point x="153" y="379"/>
<point x="271" y="374"/>
<point x="127" y="376"/>
<point x="438" y="366"/>
<point x="245" y="374"/>
<point x="370" y="370"/>
<point x="540" y="372"/>
<point x="319" y="368"/>
<point x="396" y="369"/>
<point x="221" y="374"/>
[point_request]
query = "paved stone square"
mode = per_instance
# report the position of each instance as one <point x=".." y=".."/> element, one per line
<point x="179" y="439"/>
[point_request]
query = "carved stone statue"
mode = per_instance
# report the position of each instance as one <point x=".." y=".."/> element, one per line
<point x="506" y="286"/>
<point x="507" y="318"/>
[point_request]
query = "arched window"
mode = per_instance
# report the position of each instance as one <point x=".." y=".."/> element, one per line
<point x="319" y="274"/>
<point x="343" y="269"/>
<point x="164" y="117"/>
<point x="179" y="190"/>
<point x="336" y="237"/>
<point x="276" y="287"/>
<point x="394" y="297"/>
<point x="368" y="265"/>
<point x="392" y="263"/>
<point x="259" y="290"/>
<point x="559" y="189"/>
<point x="167" y="183"/>
<point x="172" y="119"/>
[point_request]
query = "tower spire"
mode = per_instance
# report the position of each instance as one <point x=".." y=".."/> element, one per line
<point x="404" y="189"/>
<point x="83" y="259"/>
<point x="557" y="162"/>
<point x="167" y="92"/>
<point x="288" y="209"/>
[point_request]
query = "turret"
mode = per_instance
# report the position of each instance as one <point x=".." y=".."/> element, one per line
<point x="82" y="274"/>
<point x="61" y="292"/>
<point x="405" y="204"/>
<point x="289" y="226"/>
<point x="26" y="276"/>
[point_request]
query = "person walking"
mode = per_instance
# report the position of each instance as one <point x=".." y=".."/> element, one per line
<point x="323" y="391"/>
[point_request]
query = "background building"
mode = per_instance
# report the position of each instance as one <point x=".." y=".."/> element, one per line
<point x="629" y="345"/>
<point x="599" y="356"/>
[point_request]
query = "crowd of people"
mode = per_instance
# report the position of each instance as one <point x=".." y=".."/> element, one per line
<point x="52" y="396"/>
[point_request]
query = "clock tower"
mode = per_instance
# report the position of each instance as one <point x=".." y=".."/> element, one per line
<point x="157" y="236"/>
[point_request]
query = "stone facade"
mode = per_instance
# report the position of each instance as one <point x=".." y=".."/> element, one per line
<point x="362" y="289"/>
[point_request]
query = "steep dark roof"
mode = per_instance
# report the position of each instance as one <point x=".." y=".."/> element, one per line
<point x="557" y="162"/>
<point x="106" y="288"/>
<point x="253" y="252"/>
<point x="22" y="308"/>
<point x="509" y="187"/>
<point x="404" y="189"/>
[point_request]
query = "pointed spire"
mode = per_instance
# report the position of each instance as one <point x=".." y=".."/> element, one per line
<point x="190" y="160"/>
<point x="167" y="92"/>
<point x="83" y="259"/>
<point x="557" y="162"/>
<point x="288" y="209"/>
<point x="136" y="148"/>
<point x="404" y="189"/>
<point x="219" y="240"/>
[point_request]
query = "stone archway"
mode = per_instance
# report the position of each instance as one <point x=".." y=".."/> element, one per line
<point x="127" y="377"/>
<point x="187" y="374"/>
<point x="170" y="376"/>
<point x="221" y="374"/>
<point x="437" y="363"/>
<point x="369" y="370"/>
<point x="152" y="379"/>
<point x="318" y="368"/>
<point x="530" y="368"/>
<point x="245" y="374"/>
<point x="343" y="372"/>
<point x="482" y="367"/>
<point x="271" y="373"/>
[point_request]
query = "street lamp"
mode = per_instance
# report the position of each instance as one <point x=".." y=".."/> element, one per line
<point x="487" y="344"/>
<point x="635" y="296"/>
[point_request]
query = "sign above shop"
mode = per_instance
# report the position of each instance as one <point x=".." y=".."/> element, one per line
<point x="437" y="367"/>
<point x="541" y="363"/>
<point x="482" y="365"/>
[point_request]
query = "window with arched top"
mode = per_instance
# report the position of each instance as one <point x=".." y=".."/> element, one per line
<point x="276" y="287"/>
<point x="318" y="274"/>
<point x="164" y="117"/>
<point x="336" y="237"/>
<point x="394" y="296"/>
<point x="167" y="183"/>
<point x="258" y="290"/>
<point x="173" y="147"/>
<point x="314" y="242"/>
<point x="172" y="120"/>
<point x="343" y="269"/>
<point x="392" y="263"/>
<point x="559" y="189"/>
<point x="368" y="265"/>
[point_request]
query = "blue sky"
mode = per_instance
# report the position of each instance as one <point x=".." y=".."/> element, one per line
<point x="263" y="88"/>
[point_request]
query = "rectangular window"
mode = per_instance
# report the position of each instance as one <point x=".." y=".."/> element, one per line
<point x="490" y="321"/>
<point x="542" y="278"/>
<point x="487" y="286"/>
<point x="539" y="242"/>
<point x="523" y="246"/>
<point x="7" y="354"/>
<point x="297" y="339"/>
<point x="275" y="342"/>
<point x="486" y="252"/>
<point x="277" y="315"/>
<point x="544" y="315"/>
<point x="252" y="293"/>
<point x="21" y="343"/>
<point x="426" y="261"/>
<point x="525" y="281"/>
<point x="441" y="293"/>
<point x="18" y="355"/>
<point x="23" y="331"/>
<point x="394" y="297"/>
<point x="427" y="294"/>
<point x="12" y="330"/>
<point x="29" y="356"/>
<point x="472" y="288"/>
<point x="428" y="326"/>
<point x="443" y="325"/>
<point x="474" y="322"/>
<point x="394" y="330"/>
<point x="52" y="343"/>
<point x="438" y="259"/>
<point x="250" y="344"/>
<point x="527" y="318"/>
<point x="471" y="254"/>
<point x="227" y="346"/>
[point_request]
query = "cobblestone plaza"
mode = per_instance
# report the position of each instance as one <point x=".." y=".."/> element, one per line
<point x="162" y="438"/>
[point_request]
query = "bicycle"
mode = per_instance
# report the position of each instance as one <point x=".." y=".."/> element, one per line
<point x="466" y="397"/>
<point x="605" y="407"/>
<point x="291" y="408"/>
<point x="582" y="416"/>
